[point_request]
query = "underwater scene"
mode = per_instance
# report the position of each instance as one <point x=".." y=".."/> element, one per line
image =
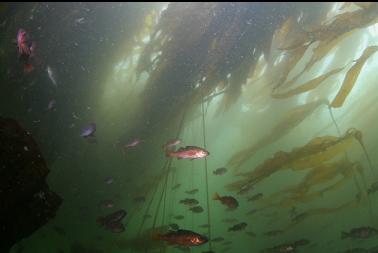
<point x="204" y="127"/>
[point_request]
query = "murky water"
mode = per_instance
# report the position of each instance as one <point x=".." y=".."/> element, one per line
<point x="245" y="127"/>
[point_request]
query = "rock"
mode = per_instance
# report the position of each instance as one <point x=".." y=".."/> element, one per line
<point x="25" y="199"/>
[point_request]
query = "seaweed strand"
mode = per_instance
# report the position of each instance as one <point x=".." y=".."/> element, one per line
<point x="206" y="175"/>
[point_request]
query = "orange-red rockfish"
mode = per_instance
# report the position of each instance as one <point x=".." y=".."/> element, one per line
<point x="189" y="152"/>
<point x="182" y="237"/>
<point x="25" y="50"/>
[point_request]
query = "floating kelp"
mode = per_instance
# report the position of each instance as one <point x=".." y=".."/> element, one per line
<point x="320" y="211"/>
<point x="345" y="22"/>
<point x="323" y="49"/>
<point x="351" y="77"/>
<point x="320" y="175"/>
<point x="226" y="40"/>
<point x="312" y="84"/>
<point x="330" y="35"/>
<point x="314" y="153"/>
<point x="292" y="119"/>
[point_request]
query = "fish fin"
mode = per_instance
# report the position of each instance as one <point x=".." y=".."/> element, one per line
<point x="216" y="196"/>
<point x="344" y="235"/>
<point x="190" y="147"/>
<point x="28" y="68"/>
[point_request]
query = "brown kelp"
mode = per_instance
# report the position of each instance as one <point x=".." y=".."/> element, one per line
<point x="312" y="154"/>
<point x="343" y="23"/>
<point x="320" y="211"/>
<point x="351" y="77"/>
<point x="320" y="175"/>
<point x="226" y="40"/>
<point x="292" y="119"/>
<point x="329" y="35"/>
<point x="309" y="85"/>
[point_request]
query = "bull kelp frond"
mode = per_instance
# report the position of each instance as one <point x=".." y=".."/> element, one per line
<point x="310" y="85"/>
<point x="316" y="152"/>
<point x="351" y="77"/>
<point x="292" y="119"/>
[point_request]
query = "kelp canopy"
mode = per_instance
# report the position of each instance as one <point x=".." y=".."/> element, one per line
<point x="197" y="49"/>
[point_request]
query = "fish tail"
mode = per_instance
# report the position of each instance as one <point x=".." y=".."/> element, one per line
<point x="28" y="68"/>
<point x="167" y="153"/>
<point x="344" y="235"/>
<point x="156" y="235"/>
<point x="216" y="196"/>
<point x="100" y="221"/>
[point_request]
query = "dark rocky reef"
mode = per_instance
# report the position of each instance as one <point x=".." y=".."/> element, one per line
<point x="26" y="202"/>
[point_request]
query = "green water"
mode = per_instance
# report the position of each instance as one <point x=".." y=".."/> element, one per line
<point x="148" y="71"/>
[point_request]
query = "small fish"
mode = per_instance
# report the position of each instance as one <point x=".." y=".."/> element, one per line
<point x="25" y="50"/>
<point x="283" y="248"/>
<point x="171" y="143"/>
<point x="220" y="171"/>
<point x="147" y="216"/>
<point x="218" y="239"/>
<point x="176" y="187"/>
<point x="182" y="237"/>
<point x="79" y="21"/>
<point x="226" y="249"/>
<point x="133" y="143"/>
<point x="113" y="217"/>
<point x="117" y="227"/>
<point x="256" y="197"/>
<point x="108" y="180"/>
<point x="293" y="212"/>
<point x="373" y="188"/>
<point x="228" y="201"/>
<point x="301" y="242"/>
<point x="113" y="221"/>
<point x="106" y="204"/>
<point x="174" y="226"/>
<point x="230" y="220"/>
<point x="196" y="209"/>
<point x="253" y="211"/>
<point x="51" y="75"/>
<point x="299" y="217"/>
<point x="88" y="131"/>
<point x="179" y="217"/>
<point x="189" y="152"/>
<point x="51" y="104"/>
<point x="273" y="233"/>
<point x="251" y="234"/>
<point x="358" y="250"/>
<point x="360" y="233"/>
<point x="194" y="191"/>
<point x="139" y="200"/>
<point x="189" y="202"/>
<point x="288" y="247"/>
<point x="238" y="227"/>
<point x="204" y="226"/>
<point x="245" y="189"/>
